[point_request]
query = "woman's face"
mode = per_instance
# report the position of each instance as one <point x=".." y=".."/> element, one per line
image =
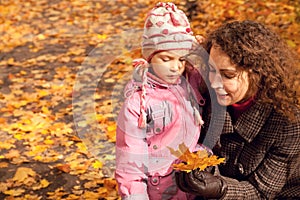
<point x="229" y="84"/>
<point x="169" y="65"/>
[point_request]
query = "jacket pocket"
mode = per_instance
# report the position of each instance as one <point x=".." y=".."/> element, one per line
<point x="159" y="116"/>
<point x="242" y="158"/>
<point x="249" y="159"/>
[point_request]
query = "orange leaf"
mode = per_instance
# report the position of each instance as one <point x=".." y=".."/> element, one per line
<point x="3" y="165"/>
<point x="110" y="183"/>
<point x="2" y="120"/>
<point x="64" y="167"/>
<point x="194" y="160"/>
<point x="12" y="154"/>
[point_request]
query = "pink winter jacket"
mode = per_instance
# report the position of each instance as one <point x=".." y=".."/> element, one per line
<point x="143" y="153"/>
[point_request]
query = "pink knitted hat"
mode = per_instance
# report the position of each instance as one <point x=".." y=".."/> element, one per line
<point x="166" y="28"/>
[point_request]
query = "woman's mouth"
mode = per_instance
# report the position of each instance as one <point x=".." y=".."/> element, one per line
<point x="222" y="95"/>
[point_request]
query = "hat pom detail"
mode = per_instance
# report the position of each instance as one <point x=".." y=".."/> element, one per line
<point x="165" y="31"/>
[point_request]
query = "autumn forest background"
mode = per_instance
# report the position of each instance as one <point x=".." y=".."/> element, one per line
<point x="63" y="66"/>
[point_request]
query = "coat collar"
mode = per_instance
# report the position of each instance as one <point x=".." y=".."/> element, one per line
<point x="154" y="80"/>
<point x="250" y="122"/>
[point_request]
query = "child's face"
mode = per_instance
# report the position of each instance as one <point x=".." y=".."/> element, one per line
<point x="169" y="65"/>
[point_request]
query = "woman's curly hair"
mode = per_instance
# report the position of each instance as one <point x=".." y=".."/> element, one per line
<point x="273" y="68"/>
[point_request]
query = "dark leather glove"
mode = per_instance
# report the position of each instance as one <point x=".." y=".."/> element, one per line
<point x="201" y="183"/>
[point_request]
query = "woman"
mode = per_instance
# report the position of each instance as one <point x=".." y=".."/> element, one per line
<point x="253" y="74"/>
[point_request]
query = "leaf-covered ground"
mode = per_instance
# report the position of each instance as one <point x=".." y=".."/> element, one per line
<point x="63" y="67"/>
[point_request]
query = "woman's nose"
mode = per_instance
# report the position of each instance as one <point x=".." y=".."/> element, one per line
<point x="216" y="81"/>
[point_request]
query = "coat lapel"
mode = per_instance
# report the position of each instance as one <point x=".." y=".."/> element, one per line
<point x="250" y="123"/>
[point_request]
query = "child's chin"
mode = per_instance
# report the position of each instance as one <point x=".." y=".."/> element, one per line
<point x="172" y="82"/>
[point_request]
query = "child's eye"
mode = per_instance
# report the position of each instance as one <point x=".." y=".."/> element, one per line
<point x="165" y="59"/>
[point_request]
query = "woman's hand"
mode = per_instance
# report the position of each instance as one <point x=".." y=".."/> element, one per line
<point x="197" y="41"/>
<point x="201" y="183"/>
<point x="200" y="39"/>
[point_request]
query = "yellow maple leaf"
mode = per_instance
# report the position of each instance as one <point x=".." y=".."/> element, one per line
<point x="6" y="145"/>
<point x="81" y="146"/>
<point x="10" y="61"/>
<point x="41" y="36"/>
<point x="101" y="36"/>
<point x="14" y="192"/>
<point x="12" y="154"/>
<point x="23" y="173"/>
<point x="194" y="160"/>
<point x="48" y="141"/>
<point x="44" y="183"/>
<point x="97" y="164"/>
<point x="3" y="186"/>
<point x="112" y="128"/>
<point x="22" y="72"/>
<point x="91" y="195"/>
<point x="45" y="110"/>
<point x="3" y="165"/>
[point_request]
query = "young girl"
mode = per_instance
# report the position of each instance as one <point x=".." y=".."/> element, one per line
<point x="159" y="112"/>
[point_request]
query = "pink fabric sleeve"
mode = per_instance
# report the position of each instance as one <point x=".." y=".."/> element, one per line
<point x="131" y="152"/>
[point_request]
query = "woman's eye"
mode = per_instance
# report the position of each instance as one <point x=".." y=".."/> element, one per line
<point x="211" y="68"/>
<point x="229" y="75"/>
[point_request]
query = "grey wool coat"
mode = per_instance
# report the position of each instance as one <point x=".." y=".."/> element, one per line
<point x="261" y="150"/>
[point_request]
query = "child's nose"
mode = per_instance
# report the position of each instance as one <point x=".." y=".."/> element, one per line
<point x="177" y="65"/>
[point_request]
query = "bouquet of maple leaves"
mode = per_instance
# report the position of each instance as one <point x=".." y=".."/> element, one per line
<point x="194" y="160"/>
